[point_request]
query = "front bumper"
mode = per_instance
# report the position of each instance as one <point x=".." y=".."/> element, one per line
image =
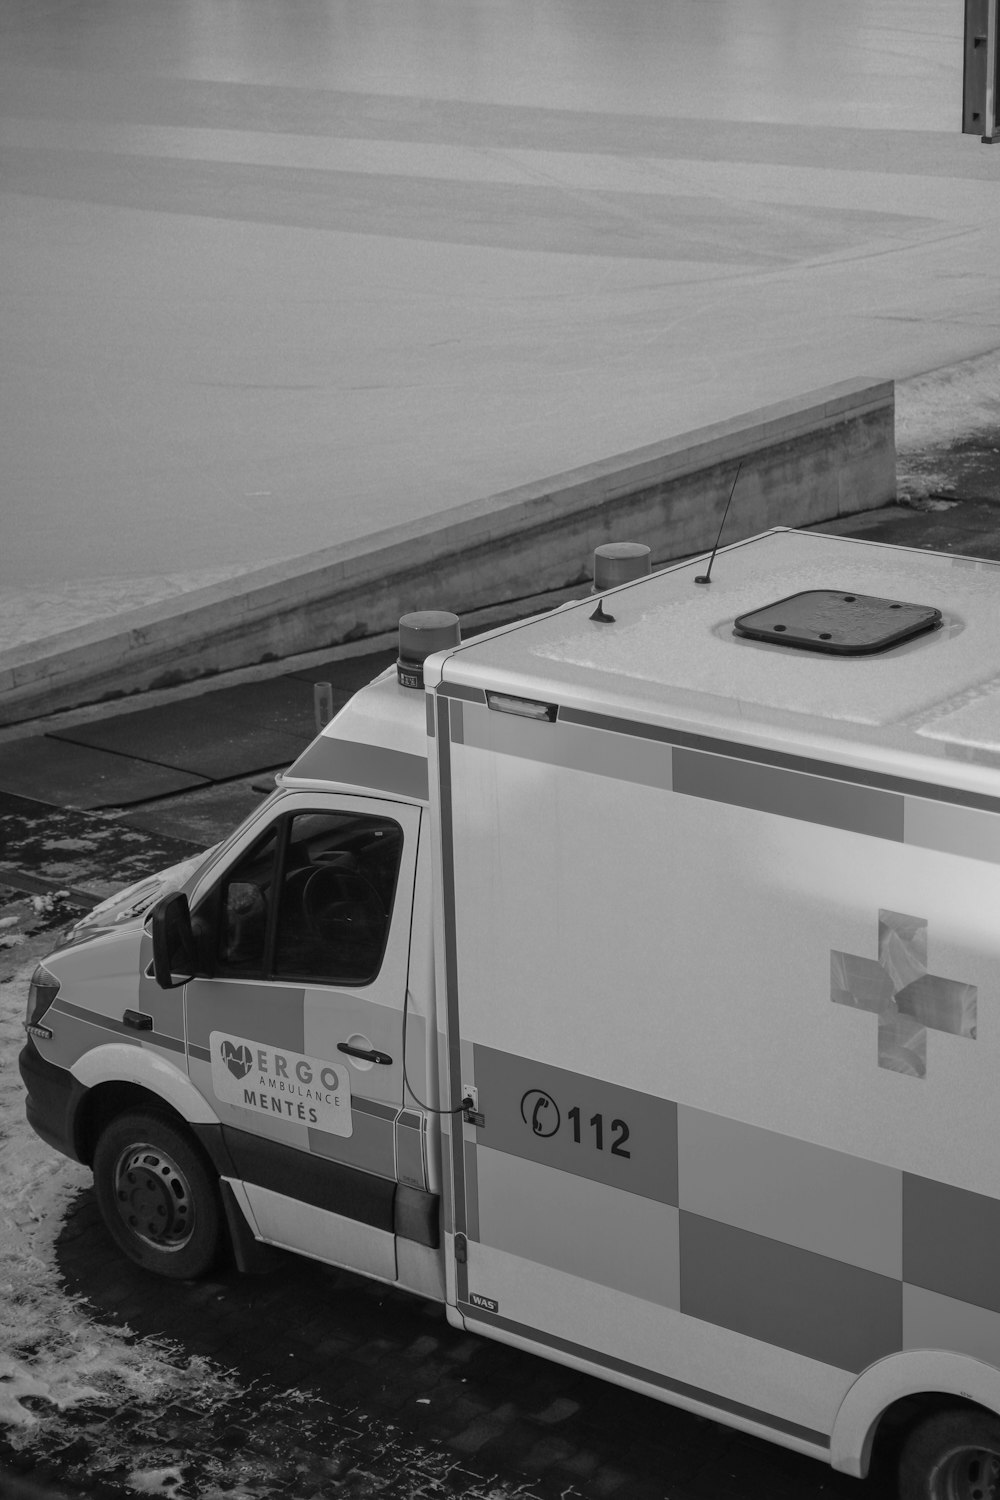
<point x="53" y="1100"/>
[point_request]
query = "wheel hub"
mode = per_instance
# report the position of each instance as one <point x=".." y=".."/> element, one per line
<point x="152" y="1198"/>
<point x="972" y="1474"/>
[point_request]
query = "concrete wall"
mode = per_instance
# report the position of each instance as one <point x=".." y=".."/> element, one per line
<point x="830" y="453"/>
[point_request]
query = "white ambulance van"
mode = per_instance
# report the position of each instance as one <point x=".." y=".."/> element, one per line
<point x="628" y="979"/>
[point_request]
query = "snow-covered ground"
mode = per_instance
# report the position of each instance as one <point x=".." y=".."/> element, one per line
<point x="54" y="1355"/>
<point x="936" y="409"/>
<point x="941" y="410"/>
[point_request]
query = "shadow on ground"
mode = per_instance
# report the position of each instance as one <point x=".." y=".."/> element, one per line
<point x="346" y="1388"/>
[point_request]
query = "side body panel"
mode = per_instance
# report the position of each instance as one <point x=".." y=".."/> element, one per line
<point x="733" y="1037"/>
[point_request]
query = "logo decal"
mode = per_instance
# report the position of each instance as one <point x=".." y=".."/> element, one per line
<point x="278" y="1083"/>
<point x="486" y="1303"/>
<point x="898" y="989"/>
<point x="239" y="1060"/>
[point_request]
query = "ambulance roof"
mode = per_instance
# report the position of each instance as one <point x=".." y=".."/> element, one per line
<point x="929" y="706"/>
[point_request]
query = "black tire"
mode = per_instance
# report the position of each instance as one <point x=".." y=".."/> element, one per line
<point x="953" y="1455"/>
<point x="158" y="1197"/>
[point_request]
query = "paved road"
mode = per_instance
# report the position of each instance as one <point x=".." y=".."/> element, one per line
<point x="277" y="276"/>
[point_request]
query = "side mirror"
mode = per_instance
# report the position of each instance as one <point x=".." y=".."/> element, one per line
<point x="175" y="958"/>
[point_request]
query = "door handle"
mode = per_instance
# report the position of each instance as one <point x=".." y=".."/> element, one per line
<point x="138" y="1020"/>
<point x="369" y="1054"/>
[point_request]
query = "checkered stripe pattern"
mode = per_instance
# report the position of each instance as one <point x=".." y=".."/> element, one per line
<point x="839" y="1259"/>
<point x="784" y="784"/>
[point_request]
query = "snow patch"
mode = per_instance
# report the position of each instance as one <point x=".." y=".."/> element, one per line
<point x="939" y="408"/>
<point x="53" y="1354"/>
<point x="16" y="1384"/>
<point x="156" y="1481"/>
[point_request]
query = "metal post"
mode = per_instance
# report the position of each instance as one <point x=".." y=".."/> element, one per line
<point x="322" y="704"/>
<point x="979" y="77"/>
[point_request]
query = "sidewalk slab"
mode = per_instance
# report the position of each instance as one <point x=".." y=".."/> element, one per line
<point x="964" y="528"/>
<point x="205" y="815"/>
<point x="283" y="704"/>
<point x="81" y="776"/>
<point x="218" y="735"/>
<point x="205" y="744"/>
<point x="155" y="754"/>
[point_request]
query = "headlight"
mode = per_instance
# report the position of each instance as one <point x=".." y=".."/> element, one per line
<point x="42" y="990"/>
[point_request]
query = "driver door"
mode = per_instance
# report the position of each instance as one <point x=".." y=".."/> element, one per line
<point x="296" y="1038"/>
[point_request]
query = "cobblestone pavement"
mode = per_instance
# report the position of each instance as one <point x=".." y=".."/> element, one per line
<point x="346" y="1388"/>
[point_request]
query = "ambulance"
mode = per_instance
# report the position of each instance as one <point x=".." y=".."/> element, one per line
<point x="628" y="980"/>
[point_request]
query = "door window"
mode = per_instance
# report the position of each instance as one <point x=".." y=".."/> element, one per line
<point x="310" y="900"/>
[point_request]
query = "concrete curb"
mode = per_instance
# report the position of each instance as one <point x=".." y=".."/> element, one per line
<point x="829" y="453"/>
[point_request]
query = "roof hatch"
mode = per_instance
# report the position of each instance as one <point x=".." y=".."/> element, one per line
<point x="838" y="623"/>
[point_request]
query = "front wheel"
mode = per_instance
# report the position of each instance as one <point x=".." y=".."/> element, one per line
<point x="954" y="1455"/>
<point x="157" y="1196"/>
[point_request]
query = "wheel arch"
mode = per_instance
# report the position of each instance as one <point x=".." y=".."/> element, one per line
<point x="936" y="1375"/>
<point x="118" y="1077"/>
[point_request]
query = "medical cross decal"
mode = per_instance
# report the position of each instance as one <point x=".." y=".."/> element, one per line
<point x="899" y="990"/>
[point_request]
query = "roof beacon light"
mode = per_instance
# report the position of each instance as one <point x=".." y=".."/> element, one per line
<point x="420" y="635"/>
<point x="619" y="562"/>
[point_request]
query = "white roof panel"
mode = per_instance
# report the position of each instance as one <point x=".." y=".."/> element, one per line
<point x="671" y="654"/>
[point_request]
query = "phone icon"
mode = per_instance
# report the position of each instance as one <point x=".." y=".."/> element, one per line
<point x="540" y="1113"/>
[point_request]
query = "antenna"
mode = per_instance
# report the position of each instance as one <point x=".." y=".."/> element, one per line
<point x="707" y="577"/>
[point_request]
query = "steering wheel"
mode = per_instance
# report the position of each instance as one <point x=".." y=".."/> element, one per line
<point x="340" y="904"/>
